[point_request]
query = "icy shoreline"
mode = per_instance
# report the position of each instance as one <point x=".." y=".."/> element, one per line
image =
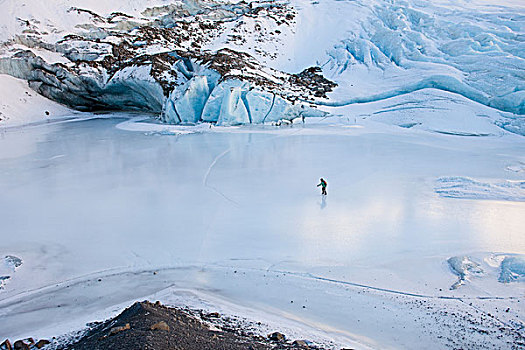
<point x="500" y="321"/>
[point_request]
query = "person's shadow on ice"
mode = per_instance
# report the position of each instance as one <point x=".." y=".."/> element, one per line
<point x="323" y="202"/>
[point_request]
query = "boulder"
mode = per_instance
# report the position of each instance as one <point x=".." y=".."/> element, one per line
<point x="161" y="326"/>
<point x="116" y="330"/>
<point x="20" y="345"/>
<point x="276" y="336"/>
<point x="301" y="344"/>
<point x="41" y="343"/>
<point x="6" y="345"/>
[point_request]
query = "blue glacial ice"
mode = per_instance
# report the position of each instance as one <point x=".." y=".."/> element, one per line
<point x="512" y="269"/>
<point x="234" y="102"/>
<point x="260" y="104"/>
<point x="478" y="53"/>
<point x="189" y="101"/>
<point x="233" y="110"/>
<point x="212" y="110"/>
<point x="463" y="267"/>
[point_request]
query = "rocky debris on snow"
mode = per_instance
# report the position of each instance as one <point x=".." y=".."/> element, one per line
<point x="303" y="344"/>
<point x="41" y="343"/>
<point x="277" y="337"/>
<point x="24" y="344"/>
<point x="213" y="315"/>
<point x="6" y="345"/>
<point x="159" y="64"/>
<point x="148" y="325"/>
<point x="314" y="80"/>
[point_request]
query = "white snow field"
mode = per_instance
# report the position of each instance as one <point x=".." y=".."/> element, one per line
<point x="230" y="219"/>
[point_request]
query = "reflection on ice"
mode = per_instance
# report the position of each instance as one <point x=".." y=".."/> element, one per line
<point x="323" y="202"/>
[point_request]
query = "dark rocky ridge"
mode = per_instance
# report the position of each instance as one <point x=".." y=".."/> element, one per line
<point x="146" y="325"/>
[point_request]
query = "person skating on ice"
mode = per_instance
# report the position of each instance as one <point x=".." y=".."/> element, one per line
<point x="323" y="185"/>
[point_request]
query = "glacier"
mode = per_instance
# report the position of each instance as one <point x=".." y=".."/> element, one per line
<point x="473" y="49"/>
<point x="381" y="51"/>
<point x="197" y="95"/>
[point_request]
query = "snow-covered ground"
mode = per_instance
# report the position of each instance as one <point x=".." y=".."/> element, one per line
<point x="230" y="219"/>
<point x="20" y="105"/>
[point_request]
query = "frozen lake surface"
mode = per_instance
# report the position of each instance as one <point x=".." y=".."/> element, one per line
<point x="231" y="219"/>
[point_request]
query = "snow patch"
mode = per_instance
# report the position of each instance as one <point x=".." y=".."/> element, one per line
<point x="8" y="267"/>
<point x="463" y="267"/>
<point x="466" y="188"/>
<point x="518" y="167"/>
<point x="19" y="104"/>
<point x="504" y="267"/>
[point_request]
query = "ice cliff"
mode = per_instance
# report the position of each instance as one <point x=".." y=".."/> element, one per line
<point x="156" y="64"/>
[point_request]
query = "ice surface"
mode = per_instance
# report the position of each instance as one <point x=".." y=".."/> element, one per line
<point x="512" y="269"/>
<point x="216" y="211"/>
<point x="463" y="187"/>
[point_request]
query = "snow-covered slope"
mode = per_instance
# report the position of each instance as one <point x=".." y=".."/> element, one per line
<point x="91" y="55"/>
<point x="21" y="105"/>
